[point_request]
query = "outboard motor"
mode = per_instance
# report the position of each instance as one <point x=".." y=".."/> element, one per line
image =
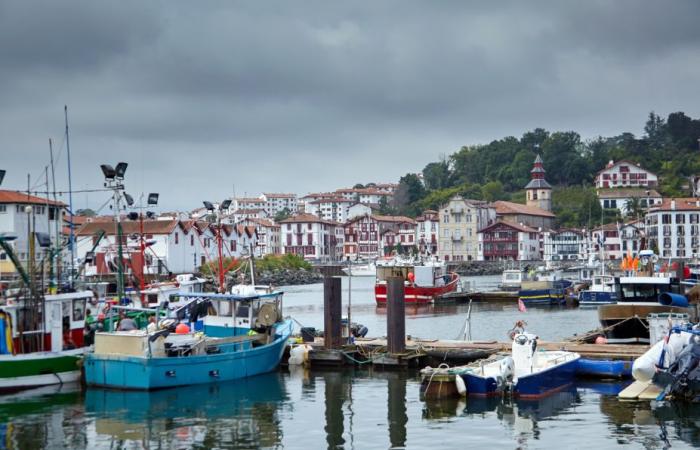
<point x="682" y="378"/>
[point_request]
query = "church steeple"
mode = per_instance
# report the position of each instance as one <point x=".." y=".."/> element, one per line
<point x="539" y="192"/>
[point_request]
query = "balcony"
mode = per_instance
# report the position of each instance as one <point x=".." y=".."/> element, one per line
<point x="457" y="238"/>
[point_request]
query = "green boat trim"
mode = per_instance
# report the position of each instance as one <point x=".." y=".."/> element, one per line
<point x="46" y="364"/>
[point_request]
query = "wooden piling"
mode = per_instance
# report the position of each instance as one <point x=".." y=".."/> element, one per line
<point x="332" y="310"/>
<point x="395" y="315"/>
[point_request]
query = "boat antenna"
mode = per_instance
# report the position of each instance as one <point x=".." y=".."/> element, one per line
<point x="71" y="241"/>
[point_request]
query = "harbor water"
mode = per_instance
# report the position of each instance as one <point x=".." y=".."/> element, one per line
<point x="362" y="408"/>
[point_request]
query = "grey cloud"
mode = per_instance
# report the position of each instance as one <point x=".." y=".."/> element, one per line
<point x="302" y="96"/>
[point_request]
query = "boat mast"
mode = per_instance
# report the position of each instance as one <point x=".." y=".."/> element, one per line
<point x="70" y="206"/>
<point x="220" y="244"/>
<point x="58" y="214"/>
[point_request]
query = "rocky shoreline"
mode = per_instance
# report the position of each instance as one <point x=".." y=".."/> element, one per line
<point x="289" y="277"/>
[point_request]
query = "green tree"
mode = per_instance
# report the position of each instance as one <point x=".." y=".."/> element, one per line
<point x="283" y="214"/>
<point x="492" y="191"/>
<point x="358" y="186"/>
<point x="436" y="175"/>
<point x="407" y="195"/>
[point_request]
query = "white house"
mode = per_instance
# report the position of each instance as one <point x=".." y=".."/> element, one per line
<point x="243" y="214"/>
<point x="358" y="210"/>
<point x="268" y="236"/>
<point x="623" y="198"/>
<point x="427" y="232"/>
<point x="632" y="237"/>
<point x="334" y="209"/>
<point x="606" y="242"/>
<point x="625" y="174"/>
<point x="506" y="241"/>
<point x="374" y="236"/>
<point x="565" y="244"/>
<point x="674" y="228"/>
<point x="172" y="246"/>
<point x="17" y="210"/>
<point x="276" y="202"/>
<point x="368" y="196"/>
<point x="309" y="236"/>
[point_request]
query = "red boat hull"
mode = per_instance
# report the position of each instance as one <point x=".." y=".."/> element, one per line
<point x="417" y="295"/>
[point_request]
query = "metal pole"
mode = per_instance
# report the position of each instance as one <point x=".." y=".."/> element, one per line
<point x="143" y="254"/>
<point x="70" y="204"/>
<point x="350" y="302"/>
<point x="221" y="260"/>
<point x="120" y="254"/>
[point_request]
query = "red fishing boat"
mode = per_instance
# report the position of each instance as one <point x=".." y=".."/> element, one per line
<point x="424" y="281"/>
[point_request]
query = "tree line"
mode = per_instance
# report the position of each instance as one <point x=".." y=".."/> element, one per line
<point x="500" y="169"/>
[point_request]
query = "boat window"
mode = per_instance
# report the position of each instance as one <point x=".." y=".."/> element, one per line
<point x="224" y="308"/>
<point x="512" y="276"/>
<point x="152" y="298"/>
<point x="642" y="292"/>
<point x="78" y="309"/>
<point x="242" y="310"/>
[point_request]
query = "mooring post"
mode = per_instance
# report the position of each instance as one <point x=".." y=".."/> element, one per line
<point x="395" y="315"/>
<point x="332" y="310"/>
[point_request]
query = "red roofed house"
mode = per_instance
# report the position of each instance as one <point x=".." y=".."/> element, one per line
<point x="625" y="174"/>
<point x="15" y="217"/>
<point x="674" y="228"/>
<point x="309" y="236"/>
<point x="505" y="241"/>
<point x="176" y="246"/>
<point x="373" y="236"/>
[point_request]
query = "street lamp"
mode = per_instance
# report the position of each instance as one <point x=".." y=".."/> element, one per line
<point x="219" y="236"/>
<point x="113" y="177"/>
<point x="152" y="200"/>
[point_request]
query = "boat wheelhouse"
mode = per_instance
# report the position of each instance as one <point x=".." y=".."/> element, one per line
<point x="600" y="292"/>
<point x="424" y="281"/>
<point x="42" y="340"/>
<point x="625" y="321"/>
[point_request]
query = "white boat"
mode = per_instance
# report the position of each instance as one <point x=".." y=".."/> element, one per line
<point x="512" y="279"/>
<point x="363" y="270"/>
<point x="527" y="372"/>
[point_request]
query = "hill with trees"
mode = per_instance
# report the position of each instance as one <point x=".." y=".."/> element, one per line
<point x="500" y="169"/>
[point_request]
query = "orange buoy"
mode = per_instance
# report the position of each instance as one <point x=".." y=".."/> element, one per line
<point x="601" y="340"/>
<point x="182" y="328"/>
<point x="411" y="277"/>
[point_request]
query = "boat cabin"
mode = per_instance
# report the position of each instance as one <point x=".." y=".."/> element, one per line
<point x="423" y="275"/>
<point x="224" y="315"/>
<point x="645" y="289"/>
<point x="513" y="278"/>
<point x="603" y="283"/>
<point x="55" y="324"/>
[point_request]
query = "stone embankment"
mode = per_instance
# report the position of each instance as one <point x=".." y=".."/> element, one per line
<point x="288" y="277"/>
<point x="477" y="268"/>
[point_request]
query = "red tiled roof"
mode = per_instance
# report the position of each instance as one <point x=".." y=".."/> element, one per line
<point x="307" y="218"/>
<point x="393" y="219"/>
<point x="628" y="193"/>
<point x="506" y="208"/>
<point x="24" y="199"/>
<point x="516" y="226"/>
<point x="129" y="227"/>
<point x="280" y="195"/>
<point x="681" y="204"/>
<point x="622" y="161"/>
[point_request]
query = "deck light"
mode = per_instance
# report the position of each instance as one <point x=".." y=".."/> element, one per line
<point x="208" y="205"/>
<point x="129" y="199"/>
<point x="225" y="204"/>
<point x="152" y="199"/>
<point x="108" y="171"/>
<point x="2" y="175"/>
<point x="120" y="170"/>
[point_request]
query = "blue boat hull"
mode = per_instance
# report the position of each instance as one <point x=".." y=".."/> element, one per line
<point x="596" y="298"/>
<point x="549" y="296"/>
<point x="131" y="372"/>
<point x="604" y="368"/>
<point x="532" y="386"/>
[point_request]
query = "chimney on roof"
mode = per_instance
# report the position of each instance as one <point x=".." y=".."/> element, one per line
<point x="673" y="204"/>
<point x="610" y="164"/>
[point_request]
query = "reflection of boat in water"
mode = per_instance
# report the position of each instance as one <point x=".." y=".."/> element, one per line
<point x="35" y="400"/>
<point x="249" y="407"/>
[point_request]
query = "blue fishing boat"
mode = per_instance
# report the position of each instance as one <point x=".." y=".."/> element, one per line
<point x="527" y="373"/>
<point x="543" y="292"/>
<point x="601" y="291"/>
<point x="240" y="336"/>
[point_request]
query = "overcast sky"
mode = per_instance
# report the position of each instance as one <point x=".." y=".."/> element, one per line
<point x="300" y="96"/>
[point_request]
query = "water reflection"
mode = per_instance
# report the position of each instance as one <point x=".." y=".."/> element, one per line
<point x="243" y="413"/>
<point x="335" y="409"/>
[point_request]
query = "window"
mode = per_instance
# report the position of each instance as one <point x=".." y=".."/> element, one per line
<point x="177" y="238"/>
<point x="233" y="245"/>
<point x="680" y="218"/>
<point x="192" y="240"/>
<point x="3" y="209"/>
<point x="666" y="218"/>
<point x="446" y="218"/>
<point x="310" y="239"/>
